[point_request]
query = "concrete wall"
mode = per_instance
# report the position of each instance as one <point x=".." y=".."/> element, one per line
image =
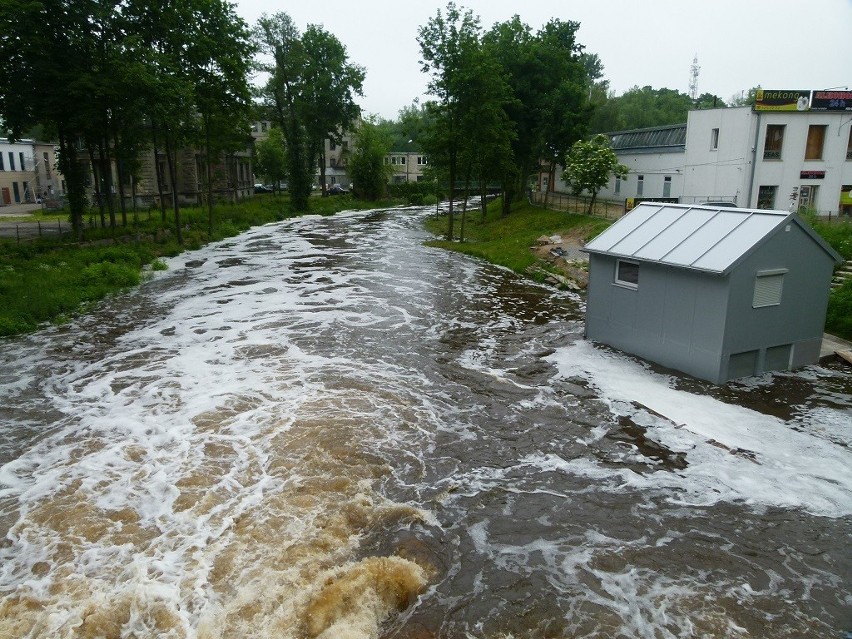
<point x="723" y="172"/>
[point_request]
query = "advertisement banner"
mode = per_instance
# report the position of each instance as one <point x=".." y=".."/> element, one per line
<point x="782" y="100"/>
<point x="831" y="101"/>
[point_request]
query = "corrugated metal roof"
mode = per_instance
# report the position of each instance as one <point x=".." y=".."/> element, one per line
<point x="704" y="238"/>
<point x="657" y="137"/>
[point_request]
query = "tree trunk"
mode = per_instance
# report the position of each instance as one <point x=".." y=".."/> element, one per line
<point x="321" y="160"/>
<point x="464" y="202"/>
<point x="592" y="202"/>
<point x="97" y="180"/>
<point x="158" y="173"/>
<point x="73" y="172"/>
<point x="106" y="169"/>
<point x="209" y="177"/>
<point x="171" y="160"/>
<point x="118" y="166"/>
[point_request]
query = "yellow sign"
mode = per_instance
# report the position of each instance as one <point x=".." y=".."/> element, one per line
<point x="782" y="100"/>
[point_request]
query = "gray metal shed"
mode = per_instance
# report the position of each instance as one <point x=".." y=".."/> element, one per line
<point x="715" y="292"/>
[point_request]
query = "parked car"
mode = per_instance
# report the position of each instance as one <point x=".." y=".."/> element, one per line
<point x="262" y="188"/>
<point x="336" y="189"/>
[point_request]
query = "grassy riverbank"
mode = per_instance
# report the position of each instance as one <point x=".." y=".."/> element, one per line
<point x="507" y="240"/>
<point x="51" y="279"/>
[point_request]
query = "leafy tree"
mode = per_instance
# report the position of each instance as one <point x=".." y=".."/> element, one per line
<point x="279" y="40"/>
<point x="329" y="86"/>
<point x="310" y="91"/>
<point x="549" y="81"/>
<point x="271" y="158"/>
<point x="410" y="126"/>
<point x="452" y="53"/>
<point x="748" y="98"/>
<point x="641" y="108"/>
<point x="217" y="62"/>
<point x="366" y="167"/>
<point x="709" y="101"/>
<point x="45" y="58"/>
<point x="589" y="165"/>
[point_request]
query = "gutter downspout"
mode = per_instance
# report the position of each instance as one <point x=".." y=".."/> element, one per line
<point x="753" y="161"/>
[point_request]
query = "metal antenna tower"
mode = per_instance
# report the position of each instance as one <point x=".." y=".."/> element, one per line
<point x="693" y="78"/>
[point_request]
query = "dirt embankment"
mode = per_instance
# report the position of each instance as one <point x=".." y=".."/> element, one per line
<point x="560" y="260"/>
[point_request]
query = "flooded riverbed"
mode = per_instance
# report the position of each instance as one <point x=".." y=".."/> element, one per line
<point x="323" y="428"/>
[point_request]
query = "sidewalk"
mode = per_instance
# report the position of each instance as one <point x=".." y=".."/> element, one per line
<point x="833" y="346"/>
<point x="16" y="210"/>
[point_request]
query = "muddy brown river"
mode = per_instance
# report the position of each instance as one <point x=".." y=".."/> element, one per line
<point x="323" y="428"/>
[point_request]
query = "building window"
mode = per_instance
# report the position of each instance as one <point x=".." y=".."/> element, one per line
<point x="332" y="162"/>
<point x="332" y="145"/>
<point x="768" y="286"/>
<point x="23" y="163"/>
<point x="667" y="186"/>
<point x="774" y="141"/>
<point x="848" y="146"/>
<point x="617" y="185"/>
<point x="640" y="184"/>
<point x="422" y="160"/>
<point x="263" y="127"/>
<point x="714" y="139"/>
<point x="11" y="161"/>
<point x="766" y="197"/>
<point x="2" y="168"/>
<point x="627" y="274"/>
<point x="46" y="159"/>
<point x="816" y="139"/>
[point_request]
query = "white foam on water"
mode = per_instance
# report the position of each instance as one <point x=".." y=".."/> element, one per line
<point x="214" y="463"/>
<point x="733" y="453"/>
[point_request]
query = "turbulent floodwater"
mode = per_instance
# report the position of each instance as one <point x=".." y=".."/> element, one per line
<point x="324" y="429"/>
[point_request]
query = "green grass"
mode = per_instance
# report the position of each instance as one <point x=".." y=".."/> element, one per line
<point x="49" y="280"/>
<point x="507" y="240"/>
<point x="838" y="319"/>
<point x="838" y="234"/>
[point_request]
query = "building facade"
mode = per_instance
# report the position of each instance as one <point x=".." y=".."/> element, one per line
<point x="792" y="152"/>
<point x="231" y="178"/>
<point x="408" y="164"/>
<point x="28" y="172"/>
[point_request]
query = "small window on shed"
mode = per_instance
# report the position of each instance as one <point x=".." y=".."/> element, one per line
<point x="768" y="286"/>
<point x="627" y="274"/>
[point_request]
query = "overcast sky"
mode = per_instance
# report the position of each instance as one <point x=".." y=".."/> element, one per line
<point x="777" y="44"/>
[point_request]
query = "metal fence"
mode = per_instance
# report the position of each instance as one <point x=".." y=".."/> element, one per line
<point x="574" y="204"/>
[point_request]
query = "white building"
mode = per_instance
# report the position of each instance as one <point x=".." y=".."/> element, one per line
<point x="793" y="149"/>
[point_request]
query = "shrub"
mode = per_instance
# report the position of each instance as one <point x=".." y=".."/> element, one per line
<point x="838" y="320"/>
<point x="110" y="274"/>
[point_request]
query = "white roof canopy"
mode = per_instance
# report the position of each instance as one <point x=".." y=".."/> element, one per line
<point x="700" y="237"/>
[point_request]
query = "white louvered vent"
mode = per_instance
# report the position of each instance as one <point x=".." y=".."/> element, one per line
<point x="767" y="290"/>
